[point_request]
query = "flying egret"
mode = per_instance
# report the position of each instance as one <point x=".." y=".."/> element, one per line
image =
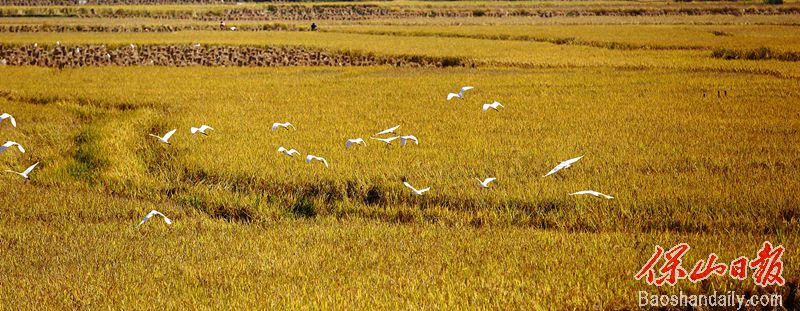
<point x="166" y="137"/>
<point x="386" y="140"/>
<point x="563" y="165"/>
<point x="154" y="213"/>
<point x="418" y="192"/>
<point x="493" y="105"/>
<point x="404" y="139"/>
<point x="310" y="158"/>
<point x="460" y="94"/>
<point x="592" y="192"/>
<point x="9" y="117"/>
<point x="387" y="131"/>
<point x="288" y="152"/>
<point x="25" y="173"/>
<point x="485" y="182"/>
<point x="355" y="141"/>
<point x="10" y="144"/>
<point x="286" y="125"/>
<point x="202" y="129"/>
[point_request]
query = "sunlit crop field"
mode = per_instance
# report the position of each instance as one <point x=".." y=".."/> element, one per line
<point x="693" y="148"/>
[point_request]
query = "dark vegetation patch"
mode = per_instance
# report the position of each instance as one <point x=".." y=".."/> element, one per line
<point x="143" y="28"/>
<point x="762" y="53"/>
<point x="61" y="56"/>
<point x="368" y="11"/>
<point x="720" y="33"/>
<point x="304" y="208"/>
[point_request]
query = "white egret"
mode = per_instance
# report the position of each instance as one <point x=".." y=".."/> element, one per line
<point x="404" y="139"/>
<point x="563" y="165"/>
<point x="154" y="213"/>
<point x="418" y="192"/>
<point x="9" y="117"/>
<point x="493" y="105"/>
<point x="460" y="93"/>
<point x="10" y="144"/>
<point x="387" y="131"/>
<point x="310" y="158"/>
<point x="285" y="125"/>
<point x="485" y="182"/>
<point x="355" y="141"/>
<point x="166" y="137"/>
<point x="288" y="152"/>
<point x="386" y="140"/>
<point x="25" y="173"/>
<point x="202" y="129"/>
<point x="592" y="192"/>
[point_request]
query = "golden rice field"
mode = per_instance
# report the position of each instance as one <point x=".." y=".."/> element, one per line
<point x="693" y="148"/>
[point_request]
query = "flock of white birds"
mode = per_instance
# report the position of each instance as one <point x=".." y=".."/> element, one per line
<point x="350" y="143"/>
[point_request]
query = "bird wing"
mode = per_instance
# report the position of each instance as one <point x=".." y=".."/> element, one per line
<point x="169" y="134"/>
<point x="421" y="191"/>
<point x="324" y="161"/>
<point x="205" y="127"/>
<point x="488" y="180"/>
<point x="403" y="139"/>
<point x="486" y="107"/>
<point x="387" y="131"/>
<point x="451" y="95"/>
<point x="466" y="88"/>
<point x="10" y="144"/>
<point x="10" y="117"/>
<point x="166" y="219"/>
<point x="386" y="140"/>
<point x="29" y="169"/>
<point x="156" y="136"/>
<point x="292" y="151"/>
<point x="194" y="130"/>
<point x="275" y="125"/>
<point x="405" y="183"/>
<point x="146" y="217"/>
<point x="309" y="158"/>
<point x="554" y="170"/>
<point x="573" y="160"/>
